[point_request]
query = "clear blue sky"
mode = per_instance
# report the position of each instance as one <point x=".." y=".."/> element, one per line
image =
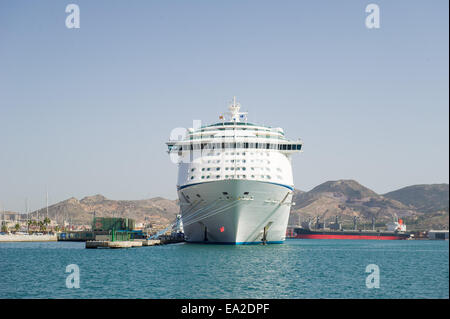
<point x="87" y="111"/>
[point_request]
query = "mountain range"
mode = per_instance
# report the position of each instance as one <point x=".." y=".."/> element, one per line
<point x="422" y="207"/>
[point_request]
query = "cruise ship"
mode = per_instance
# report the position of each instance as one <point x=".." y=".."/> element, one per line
<point x="235" y="182"/>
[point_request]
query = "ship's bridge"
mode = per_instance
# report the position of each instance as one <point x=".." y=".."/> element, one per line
<point x="234" y="134"/>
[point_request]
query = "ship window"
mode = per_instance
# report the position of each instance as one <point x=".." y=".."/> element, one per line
<point x="198" y="195"/>
<point x="299" y="147"/>
<point x="226" y="168"/>
<point x="243" y="176"/>
<point x="243" y="161"/>
<point x="232" y="161"/>
<point x="245" y="145"/>
<point x="208" y="169"/>
<point x="243" y="153"/>
<point x="207" y="176"/>
<point x="217" y="176"/>
<point x="192" y="169"/>
<point x="225" y="193"/>
<point x="203" y="177"/>
<point x="245" y="193"/>
<point x="226" y="176"/>
<point x="289" y="147"/>
<point x="192" y="177"/>
<point x="203" y="169"/>
<point x="217" y="168"/>
<point x="238" y="168"/>
<point x="218" y="161"/>
<point x="268" y="176"/>
<point x="232" y="168"/>
<point x="243" y="168"/>
<point x="253" y="176"/>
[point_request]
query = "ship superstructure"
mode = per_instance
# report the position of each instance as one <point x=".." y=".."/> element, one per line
<point x="235" y="181"/>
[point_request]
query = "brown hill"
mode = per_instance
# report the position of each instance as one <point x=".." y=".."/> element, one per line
<point x="156" y="210"/>
<point x="346" y="199"/>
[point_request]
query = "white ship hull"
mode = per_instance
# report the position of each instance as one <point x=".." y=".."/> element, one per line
<point x="235" y="211"/>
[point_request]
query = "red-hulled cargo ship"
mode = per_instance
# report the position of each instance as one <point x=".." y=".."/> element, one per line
<point x="304" y="233"/>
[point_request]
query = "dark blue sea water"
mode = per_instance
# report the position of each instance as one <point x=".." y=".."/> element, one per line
<point x="295" y="269"/>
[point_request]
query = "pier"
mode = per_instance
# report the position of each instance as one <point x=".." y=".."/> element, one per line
<point x="126" y="243"/>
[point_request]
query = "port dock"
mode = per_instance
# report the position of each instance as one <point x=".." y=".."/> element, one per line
<point x="125" y="243"/>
